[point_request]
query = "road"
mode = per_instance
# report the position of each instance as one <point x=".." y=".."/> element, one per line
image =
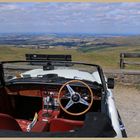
<point x="127" y="100"/>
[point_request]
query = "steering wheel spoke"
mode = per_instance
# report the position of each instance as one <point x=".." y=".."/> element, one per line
<point x="84" y="102"/>
<point x="69" y="104"/>
<point x="71" y="91"/>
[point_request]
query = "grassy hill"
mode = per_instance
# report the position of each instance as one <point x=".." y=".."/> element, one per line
<point x="106" y="57"/>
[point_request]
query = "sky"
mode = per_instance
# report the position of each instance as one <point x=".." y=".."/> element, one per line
<point x="70" y="17"/>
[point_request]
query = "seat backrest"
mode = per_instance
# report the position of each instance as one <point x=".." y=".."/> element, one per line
<point x="5" y="102"/>
<point x="60" y="124"/>
<point x="7" y="122"/>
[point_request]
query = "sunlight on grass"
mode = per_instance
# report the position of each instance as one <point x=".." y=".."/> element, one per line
<point x="108" y="58"/>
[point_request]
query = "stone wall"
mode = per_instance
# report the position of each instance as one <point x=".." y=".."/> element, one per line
<point x="124" y="76"/>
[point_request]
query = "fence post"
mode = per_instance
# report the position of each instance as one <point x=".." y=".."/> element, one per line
<point x="2" y="81"/>
<point x="122" y="65"/>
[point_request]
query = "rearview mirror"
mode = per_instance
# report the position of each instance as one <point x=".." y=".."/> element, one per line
<point x="110" y="83"/>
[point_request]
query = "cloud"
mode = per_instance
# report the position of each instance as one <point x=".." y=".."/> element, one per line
<point x="9" y="7"/>
<point x="68" y="16"/>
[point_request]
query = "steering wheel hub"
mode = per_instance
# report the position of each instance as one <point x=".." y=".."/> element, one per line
<point x="75" y="98"/>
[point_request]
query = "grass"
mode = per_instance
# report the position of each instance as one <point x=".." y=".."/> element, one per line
<point x="138" y="87"/>
<point x="106" y="57"/>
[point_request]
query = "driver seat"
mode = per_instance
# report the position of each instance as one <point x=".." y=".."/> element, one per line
<point x="7" y="122"/>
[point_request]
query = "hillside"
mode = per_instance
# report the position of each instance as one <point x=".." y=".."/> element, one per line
<point x="100" y="49"/>
<point x="107" y="57"/>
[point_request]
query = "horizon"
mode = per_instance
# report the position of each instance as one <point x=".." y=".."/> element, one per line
<point x="67" y="33"/>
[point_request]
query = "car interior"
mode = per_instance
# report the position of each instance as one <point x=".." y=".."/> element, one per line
<point x="20" y="103"/>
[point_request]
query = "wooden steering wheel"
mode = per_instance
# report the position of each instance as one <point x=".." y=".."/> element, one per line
<point x="74" y="97"/>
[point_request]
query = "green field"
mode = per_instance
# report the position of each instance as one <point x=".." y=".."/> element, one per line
<point x="106" y="57"/>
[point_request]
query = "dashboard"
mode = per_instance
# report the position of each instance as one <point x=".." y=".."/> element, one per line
<point x="45" y="90"/>
<point x="42" y="97"/>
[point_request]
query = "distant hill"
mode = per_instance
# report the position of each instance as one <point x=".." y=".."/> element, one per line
<point x="80" y="41"/>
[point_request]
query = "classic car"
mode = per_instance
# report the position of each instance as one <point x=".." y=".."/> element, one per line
<point x="53" y="96"/>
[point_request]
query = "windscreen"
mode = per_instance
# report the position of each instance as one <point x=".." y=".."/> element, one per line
<point x="66" y="70"/>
